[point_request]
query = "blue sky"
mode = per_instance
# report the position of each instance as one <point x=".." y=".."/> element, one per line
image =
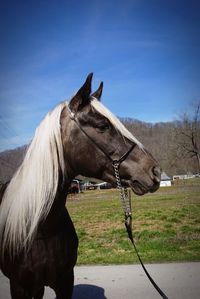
<point x="146" y="52"/>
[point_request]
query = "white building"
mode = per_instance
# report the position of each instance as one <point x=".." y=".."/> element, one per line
<point x="165" y="180"/>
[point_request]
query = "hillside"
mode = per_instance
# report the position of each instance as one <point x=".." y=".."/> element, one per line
<point x="159" y="138"/>
<point x="9" y="162"/>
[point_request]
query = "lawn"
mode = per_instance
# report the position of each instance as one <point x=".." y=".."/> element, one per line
<point x="166" y="225"/>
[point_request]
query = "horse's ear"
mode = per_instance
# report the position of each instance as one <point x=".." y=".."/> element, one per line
<point x="97" y="94"/>
<point x="81" y="98"/>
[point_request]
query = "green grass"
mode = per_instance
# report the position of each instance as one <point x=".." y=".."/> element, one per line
<point x="166" y="226"/>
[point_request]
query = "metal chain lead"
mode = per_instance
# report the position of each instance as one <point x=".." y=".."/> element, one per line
<point x="125" y="198"/>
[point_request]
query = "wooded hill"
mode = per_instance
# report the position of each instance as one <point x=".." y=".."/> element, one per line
<point x="161" y="139"/>
<point x="164" y="141"/>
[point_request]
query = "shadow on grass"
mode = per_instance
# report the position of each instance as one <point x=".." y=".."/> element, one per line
<point x="86" y="291"/>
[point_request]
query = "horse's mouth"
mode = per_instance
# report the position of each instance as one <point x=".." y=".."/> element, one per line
<point x="138" y="188"/>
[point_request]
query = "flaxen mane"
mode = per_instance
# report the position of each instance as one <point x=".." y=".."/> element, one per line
<point x="31" y="192"/>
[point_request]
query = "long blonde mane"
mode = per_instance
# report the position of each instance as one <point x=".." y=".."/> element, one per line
<point x="31" y="192"/>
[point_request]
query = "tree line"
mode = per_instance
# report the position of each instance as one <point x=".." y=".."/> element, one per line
<point x="161" y="139"/>
<point x="175" y="145"/>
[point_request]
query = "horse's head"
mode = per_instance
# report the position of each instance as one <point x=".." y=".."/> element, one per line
<point x="93" y="138"/>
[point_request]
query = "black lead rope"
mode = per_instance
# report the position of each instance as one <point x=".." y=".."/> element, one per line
<point x="128" y="224"/>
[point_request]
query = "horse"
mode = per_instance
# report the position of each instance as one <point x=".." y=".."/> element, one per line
<point x="38" y="241"/>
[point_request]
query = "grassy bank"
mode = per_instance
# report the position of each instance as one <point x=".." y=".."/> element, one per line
<point x="166" y="226"/>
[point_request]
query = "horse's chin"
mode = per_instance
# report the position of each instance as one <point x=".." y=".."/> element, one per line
<point x="138" y="188"/>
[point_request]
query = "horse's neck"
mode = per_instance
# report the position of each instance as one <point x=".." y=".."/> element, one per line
<point x="58" y="216"/>
<point x="2" y="190"/>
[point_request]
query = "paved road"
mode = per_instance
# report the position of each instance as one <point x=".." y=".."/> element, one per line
<point x="178" y="281"/>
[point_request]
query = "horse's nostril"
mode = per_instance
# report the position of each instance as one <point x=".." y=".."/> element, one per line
<point x="157" y="173"/>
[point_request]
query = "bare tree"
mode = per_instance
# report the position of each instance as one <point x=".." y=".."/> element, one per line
<point x="188" y="134"/>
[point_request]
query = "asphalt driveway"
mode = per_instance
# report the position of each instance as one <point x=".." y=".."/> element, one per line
<point x="178" y="281"/>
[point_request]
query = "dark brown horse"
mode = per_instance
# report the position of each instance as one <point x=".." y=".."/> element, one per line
<point x="38" y="239"/>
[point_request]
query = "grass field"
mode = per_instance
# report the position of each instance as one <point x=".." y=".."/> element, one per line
<point x="166" y="225"/>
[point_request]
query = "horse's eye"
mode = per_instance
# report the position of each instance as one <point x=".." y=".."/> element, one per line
<point x="103" y="127"/>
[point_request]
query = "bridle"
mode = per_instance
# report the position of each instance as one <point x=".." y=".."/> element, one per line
<point x="113" y="161"/>
<point x="125" y="196"/>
